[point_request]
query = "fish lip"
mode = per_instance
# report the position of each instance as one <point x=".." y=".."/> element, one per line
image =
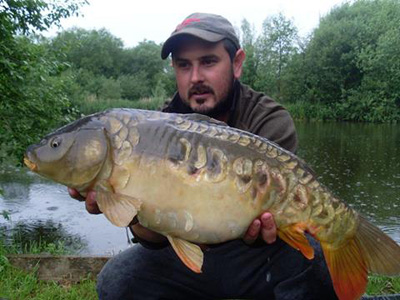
<point x="31" y="165"/>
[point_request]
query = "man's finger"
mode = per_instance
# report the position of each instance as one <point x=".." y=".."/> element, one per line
<point x="91" y="203"/>
<point x="252" y="232"/>
<point x="75" y="194"/>
<point x="268" y="228"/>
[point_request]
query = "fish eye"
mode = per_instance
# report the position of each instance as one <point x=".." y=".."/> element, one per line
<point x="56" y="142"/>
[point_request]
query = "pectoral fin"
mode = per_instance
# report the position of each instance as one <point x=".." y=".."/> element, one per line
<point x="119" y="209"/>
<point x="294" y="236"/>
<point x="189" y="253"/>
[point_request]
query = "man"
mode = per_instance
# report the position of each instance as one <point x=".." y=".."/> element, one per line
<point x="208" y="61"/>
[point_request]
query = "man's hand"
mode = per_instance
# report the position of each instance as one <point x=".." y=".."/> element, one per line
<point x="265" y="225"/>
<point x="90" y="200"/>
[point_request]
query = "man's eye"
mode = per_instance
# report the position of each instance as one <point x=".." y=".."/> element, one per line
<point x="183" y="65"/>
<point x="209" y="62"/>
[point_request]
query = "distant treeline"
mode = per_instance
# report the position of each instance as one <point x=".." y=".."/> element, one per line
<point x="348" y="68"/>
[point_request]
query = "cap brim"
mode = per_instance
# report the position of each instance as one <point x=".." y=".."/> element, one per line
<point x="171" y="43"/>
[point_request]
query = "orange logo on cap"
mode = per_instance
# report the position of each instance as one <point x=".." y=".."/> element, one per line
<point x="186" y="23"/>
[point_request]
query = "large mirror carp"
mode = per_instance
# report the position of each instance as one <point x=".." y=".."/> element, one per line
<point x="198" y="181"/>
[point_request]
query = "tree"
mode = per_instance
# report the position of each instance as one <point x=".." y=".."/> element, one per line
<point x="143" y="67"/>
<point x="27" y="16"/>
<point x="276" y="47"/>
<point x="103" y="69"/>
<point x="295" y="76"/>
<point x="32" y="99"/>
<point x="353" y="60"/>
<point x="96" y="51"/>
<point x="250" y="66"/>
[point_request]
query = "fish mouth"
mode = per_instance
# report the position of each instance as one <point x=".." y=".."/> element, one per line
<point x="31" y="165"/>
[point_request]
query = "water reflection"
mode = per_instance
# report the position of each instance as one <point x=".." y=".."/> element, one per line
<point x="360" y="163"/>
<point x="23" y="235"/>
<point x="37" y="207"/>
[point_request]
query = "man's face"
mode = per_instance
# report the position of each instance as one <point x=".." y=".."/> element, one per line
<point x="204" y="74"/>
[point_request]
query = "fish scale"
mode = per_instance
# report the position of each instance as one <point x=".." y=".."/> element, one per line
<point x="196" y="180"/>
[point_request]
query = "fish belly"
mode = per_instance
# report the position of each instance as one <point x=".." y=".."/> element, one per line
<point x="197" y="211"/>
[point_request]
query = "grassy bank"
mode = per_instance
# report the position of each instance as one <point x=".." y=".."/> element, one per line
<point x="381" y="285"/>
<point x="17" y="284"/>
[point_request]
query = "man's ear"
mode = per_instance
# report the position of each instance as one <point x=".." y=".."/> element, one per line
<point x="238" y="63"/>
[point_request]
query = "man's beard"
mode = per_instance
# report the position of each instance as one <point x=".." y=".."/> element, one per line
<point x="222" y="106"/>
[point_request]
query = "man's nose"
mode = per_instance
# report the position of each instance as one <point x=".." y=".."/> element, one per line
<point x="197" y="75"/>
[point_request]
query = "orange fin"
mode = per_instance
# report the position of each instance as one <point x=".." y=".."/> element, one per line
<point x="294" y="236"/>
<point x="119" y="209"/>
<point x="348" y="270"/>
<point x="189" y="253"/>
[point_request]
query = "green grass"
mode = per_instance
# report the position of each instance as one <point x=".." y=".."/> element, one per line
<point x="380" y="285"/>
<point x="18" y="284"/>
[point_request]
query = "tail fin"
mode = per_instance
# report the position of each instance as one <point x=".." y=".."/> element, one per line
<point x="348" y="270"/>
<point x="380" y="252"/>
<point x="369" y="250"/>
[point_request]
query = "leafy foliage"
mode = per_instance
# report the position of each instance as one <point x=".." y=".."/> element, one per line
<point x="350" y="63"/>
<point x="97" y="51"/>
<point x="269" y="55"/>
<point x="251" y="62"/>
<point x="103" y="69"/>
<point x="26" y="16"/>
<point x="276" y="48"/>
<point x="32" y="99"/>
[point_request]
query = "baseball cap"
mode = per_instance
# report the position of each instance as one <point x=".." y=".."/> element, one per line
<point x="208" y="27"/>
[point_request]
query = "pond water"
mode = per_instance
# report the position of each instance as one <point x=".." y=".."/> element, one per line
<point x="360" y="163"/>
<point x="39" y="210"/>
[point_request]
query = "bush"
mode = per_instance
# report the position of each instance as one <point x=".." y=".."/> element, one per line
<point x="32" y="92"/>
<point x="109" y="89"/>
<point x="33" y="98"/>
<point x="134" y="87"/>
<point x="304" y="110"/>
